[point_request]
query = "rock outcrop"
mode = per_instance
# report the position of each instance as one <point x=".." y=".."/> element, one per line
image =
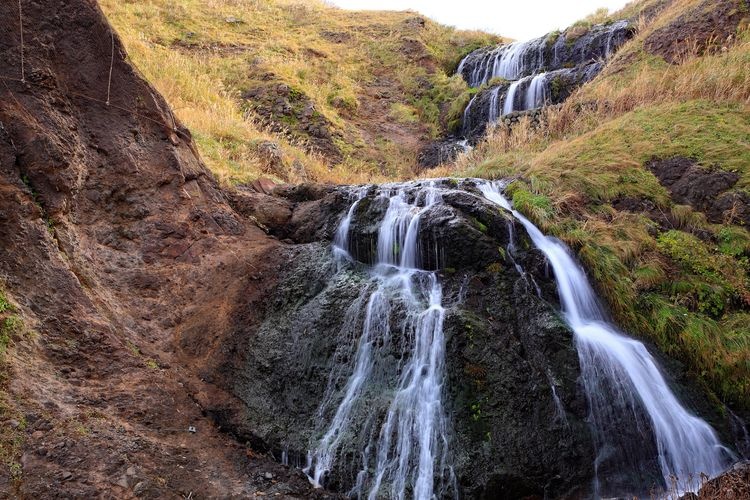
<point x="707" y="190"/>
<point x="286" y="110"/>
<point x="508" y="353"/>
<point x="711" y="24"/>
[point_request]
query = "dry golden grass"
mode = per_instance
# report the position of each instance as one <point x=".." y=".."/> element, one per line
<point x="201" y="54"/>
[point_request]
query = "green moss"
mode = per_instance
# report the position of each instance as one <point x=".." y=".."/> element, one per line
<point x="403" y="113"/>
<point x="706" y="284"/>
<point x="536" y="206"/>
<point x="553" y="37"/>
<point x="734" y="241"/>
<point x="495" y="268"/>
<point x="479" y="225"/>
<point x="495" y="81"/>
<point x="476" y="411"/>
<point x="10" y="327"/>
<point x="5" y="305"/>
<point x="556" y="86"/>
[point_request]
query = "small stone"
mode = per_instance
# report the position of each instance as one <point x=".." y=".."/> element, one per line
<point x="131" y="471"/>
<point x="140" y="488"/>
<point x="37" y="434"/>
<point x="67" y="476"/>
<point x="268" y="475"/>
<point x="233" y="20"/>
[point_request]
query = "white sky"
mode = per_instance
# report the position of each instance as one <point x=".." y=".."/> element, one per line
<point x="519" y="19"/>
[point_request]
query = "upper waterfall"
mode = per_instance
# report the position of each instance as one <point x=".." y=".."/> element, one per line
<point x="547" y="53"/>
<point x="531" y="74"/>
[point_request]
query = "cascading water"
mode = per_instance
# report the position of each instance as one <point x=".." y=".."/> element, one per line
<point x="510" y="98"/>
<point x="536" y="94"/>
<point x="544" y="70"/>
<point x="410" y="446"/>
<point x="622" y="380"/>
<point x="551" y="52"/>
<point x="466" y="122"/>
<point x="494" y="111"/>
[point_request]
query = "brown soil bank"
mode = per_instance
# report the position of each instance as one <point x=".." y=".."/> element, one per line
<point x="110" y="226"/>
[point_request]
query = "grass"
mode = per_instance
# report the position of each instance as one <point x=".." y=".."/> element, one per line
<point x="11" y="437"/>
<point x="202" y="55"/>
<point x="689" y="295"/>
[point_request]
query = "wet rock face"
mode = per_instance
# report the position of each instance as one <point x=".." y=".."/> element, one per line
<point x="489" y="104"/>
<point x="508" y="353"/>
<point x="440" y="152"/>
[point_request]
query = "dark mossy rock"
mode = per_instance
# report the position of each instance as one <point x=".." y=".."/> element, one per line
<point x="516" y="409"/>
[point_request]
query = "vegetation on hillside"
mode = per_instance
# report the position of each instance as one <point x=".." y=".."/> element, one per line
<point x="668" y="274"/>
<point x="377" y="79"/>
<point x="12" y="424"/>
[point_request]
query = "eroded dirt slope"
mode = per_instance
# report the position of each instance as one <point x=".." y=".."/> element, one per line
<point x="112" y="235"/>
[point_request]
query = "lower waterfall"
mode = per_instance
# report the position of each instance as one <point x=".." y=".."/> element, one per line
<point x="383" y="428"/>
<point x="411" y="447"/>
<point x="622" y="378"/>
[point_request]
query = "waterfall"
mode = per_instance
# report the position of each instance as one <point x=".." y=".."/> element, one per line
<point x="536" y="94"/>
<point x="542" y="61"/>
<point x="341" y="250"/>
<point x="466" y="123"/>
<point x="622" y="379"/>
<point x="404" y="307"/>
<point x="519" y="59"/>
<point x="494" y="113"/>
<point x="510" y="98"/>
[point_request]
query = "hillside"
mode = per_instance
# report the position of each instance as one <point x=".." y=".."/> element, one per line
<point x="346" y="96"/>
<point x="644" y="171"/>
<point x="171" y="329"/>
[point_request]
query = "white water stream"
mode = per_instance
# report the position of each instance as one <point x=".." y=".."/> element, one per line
<point x="411" y="449"/>
<point x="619" y="373"/>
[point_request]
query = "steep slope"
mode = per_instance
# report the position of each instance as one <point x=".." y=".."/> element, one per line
<point x="644" y="172"/>
<point x="112" y="234"/>
<point x="346" y="95"/>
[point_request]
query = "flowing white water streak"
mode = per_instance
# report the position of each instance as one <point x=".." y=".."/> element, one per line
<point x="375" y="328"/>
<point x="494" y="113"/>
<point x="687" y="445"/>
<point x="466" y="123"/>
<point x="341" y="239"/>
<point x="412" y="444"/>
<point x="510" y="98"/>
<point x="536" y="94"/>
